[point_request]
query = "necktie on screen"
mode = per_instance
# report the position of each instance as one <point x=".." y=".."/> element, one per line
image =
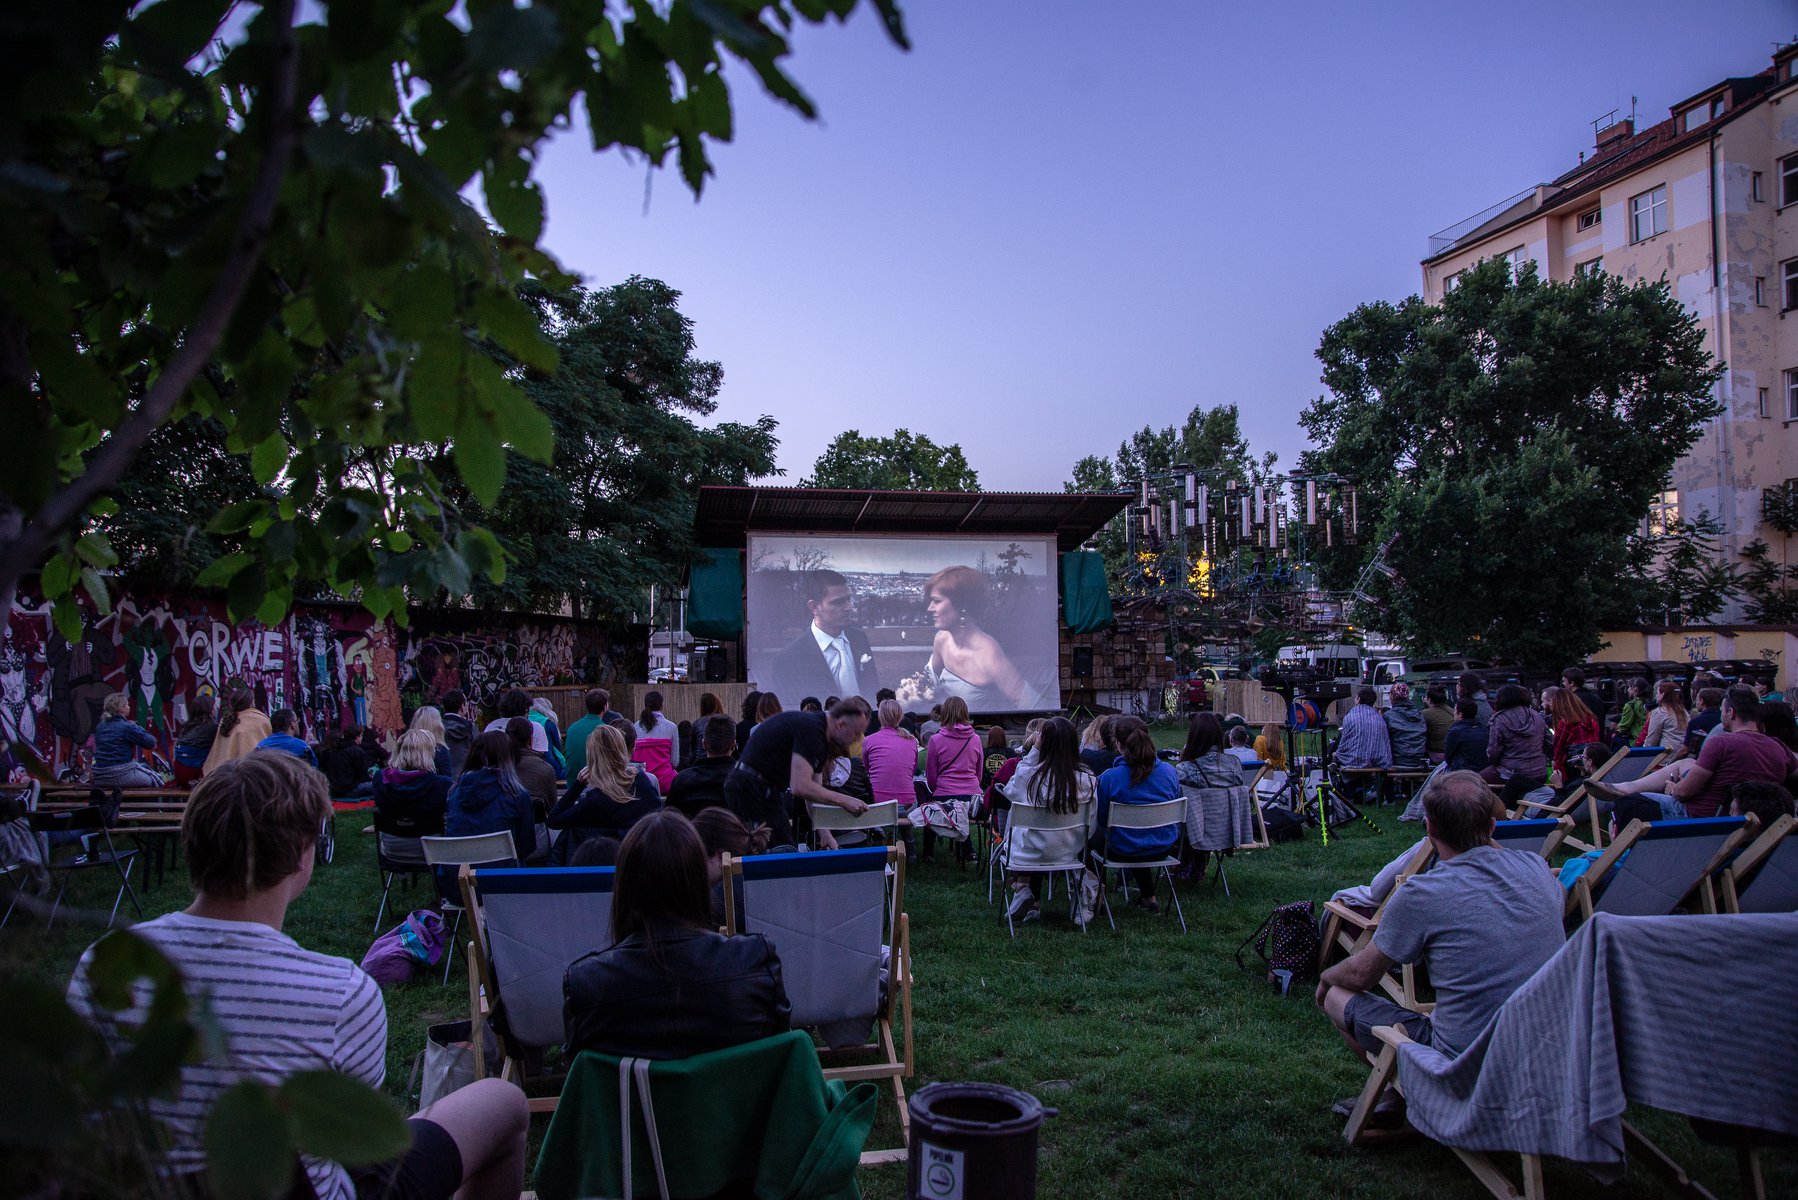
<point x="839" y="662"/>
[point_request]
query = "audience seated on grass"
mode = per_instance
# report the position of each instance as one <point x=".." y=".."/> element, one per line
<point x="658" y="742"/>
<point x="1764" y="877"/>
<point x="1051" y="778"/>
<point x="1240" y="748"/>
<point x="1482" y="920"/>
<point x="194" y="739"/>
<point x="488" y="797"/>
<point x="458" y="730"/>
<point x="249" y="835"/>
<point x="282" y="723"/>
<point x="1660" y="868"/>
<point x="1464" y="745"/>
<point x="702" y="784"/>
<point x="1364" y="742"/>
<point x="347" y="766"/>
<point x="670" y="985"/>
<point x="891" y="756"/>
<point x="1738" y="752"/>
<point x="1138" y="777"/>
<point x="409" y="786"/>
<point x="1406" y="729"/>
<point x="613" y="799"/>
<point x="429" y="718"/>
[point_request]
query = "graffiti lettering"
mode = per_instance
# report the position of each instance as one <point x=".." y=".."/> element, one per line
<point x="1697" y="647"/>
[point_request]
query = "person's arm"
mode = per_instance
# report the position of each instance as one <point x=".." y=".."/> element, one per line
<point x="1692" y="782"/>
<point x="139" y="736"/>
<point x="1359" y="972"/>
<point x="807" y="786"/>
<point x="932" y="764"/>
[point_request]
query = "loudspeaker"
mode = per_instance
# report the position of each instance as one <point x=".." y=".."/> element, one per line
<point x="714" y="665"/>
<point x="1083" y="662"/>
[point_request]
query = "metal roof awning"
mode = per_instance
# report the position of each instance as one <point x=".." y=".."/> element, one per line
<point x="726" y="515"/>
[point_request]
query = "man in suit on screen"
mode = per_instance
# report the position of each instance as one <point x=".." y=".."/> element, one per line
<point x="830" y="658"/>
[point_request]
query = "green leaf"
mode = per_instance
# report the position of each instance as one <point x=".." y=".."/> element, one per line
<point x="222" y="570"/>
<point x="337" y="1118"/>
<point x="235" y="518"/>
<point x="274" y="606"/>
<point x="56" y="577"/>
<point x="67" y="615"/>
<point x="511" y="323"/>
<point x="481" y="463"/>
<point x="95" y="550"/>
<point x="268" y="457"/>
<point x="249" y="1145"/>
<point x="39" y="1107"/>
<point x="95" y="587"/>
<point x="399" y="541"/>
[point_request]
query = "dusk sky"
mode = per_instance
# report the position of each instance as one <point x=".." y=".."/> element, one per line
<point x="1053" y="222"/>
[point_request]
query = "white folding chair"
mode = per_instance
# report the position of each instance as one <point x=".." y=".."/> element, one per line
<point x="1034" y="818"/>
<point x="1144" y="817"/>
<point x="836" y="819"/>
<point x="475" y="850"/>
<point x="527" y="925"/>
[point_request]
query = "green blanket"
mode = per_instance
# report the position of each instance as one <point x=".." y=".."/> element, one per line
<point x="761" y="1111"/>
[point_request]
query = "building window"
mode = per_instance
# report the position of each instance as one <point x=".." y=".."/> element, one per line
<point x="1648" y="214"/>
<point x="1756" y="192"/>
<point x="1592" y="266"/>
<point x="1514" y="260"/>
<point x="1792" y="395"/>
<point x="1788" y="181"/>
<point x="1697" y="115"/>
<point x="1788" y="285"/>
<point x="1593" y="217"/>
<point x="1760" y="399"/>
<point x="1452" y="282"/>
<point x="1760" y="291"/>
<point x="1663" y="513"/>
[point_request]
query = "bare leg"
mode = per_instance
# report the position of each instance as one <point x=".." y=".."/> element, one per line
<point x="488" y="1120"/>
<point x="1334" y="1001"/>
<point x="1656" y="780"/>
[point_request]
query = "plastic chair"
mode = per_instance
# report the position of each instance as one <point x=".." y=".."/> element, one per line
<point x="91" y="822"/>
<point x="1144" y="817"/>
<point x="1026" y="817"/>
<point x="475" y="850"/>
<point x="388" y="869"/>
<point x="836" y="819"/>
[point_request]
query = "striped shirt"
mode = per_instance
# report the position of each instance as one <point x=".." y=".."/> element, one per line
<point x="282" y="1009"/>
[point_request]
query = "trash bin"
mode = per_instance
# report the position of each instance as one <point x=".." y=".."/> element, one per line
<point x="973" y="1141"/>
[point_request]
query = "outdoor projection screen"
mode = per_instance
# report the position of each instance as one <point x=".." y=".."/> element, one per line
<point x="930" y="617"/>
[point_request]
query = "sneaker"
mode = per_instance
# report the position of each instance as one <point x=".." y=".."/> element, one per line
<point x="1021" y="900"/>
<point x="1148" y="904"/>
<point x="1030" y="914"/>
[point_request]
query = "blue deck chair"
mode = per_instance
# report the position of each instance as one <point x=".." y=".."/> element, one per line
<point x="1543" y="835"/>
<point x="528" y="926"/>
<point x="1650" y="868"/>
<point x="835" y="922"/>
<point x="1626" y="766"/>
<point x="1764" y="877"/>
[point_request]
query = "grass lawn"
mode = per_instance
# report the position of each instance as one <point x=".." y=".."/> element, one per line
<point x="1175" y="1073"/>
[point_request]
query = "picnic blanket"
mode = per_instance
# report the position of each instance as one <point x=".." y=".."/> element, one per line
<point x="1606" y="1023"/>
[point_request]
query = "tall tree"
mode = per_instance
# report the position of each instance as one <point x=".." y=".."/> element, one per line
<point x="194" y="186"/>
<point x="612" y="513"/>
<point x="906" y="461"/>
<point x="1513" y="439"/>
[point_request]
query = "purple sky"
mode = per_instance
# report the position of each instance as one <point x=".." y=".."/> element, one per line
<point x="1052" y="222"/>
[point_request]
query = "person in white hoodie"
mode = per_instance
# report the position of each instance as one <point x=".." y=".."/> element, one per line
<point x="1050" y="776"/>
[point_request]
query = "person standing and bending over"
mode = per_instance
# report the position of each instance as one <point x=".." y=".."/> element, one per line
<point x="249" y="835"/>
<point x="787" y="753"/>
<point x="1483" y="920"/>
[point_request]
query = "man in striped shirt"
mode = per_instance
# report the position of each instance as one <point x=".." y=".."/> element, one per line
<point x="249" y="833"/>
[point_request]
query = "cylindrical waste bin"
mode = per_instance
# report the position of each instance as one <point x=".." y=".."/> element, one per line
<point x="973" y="1141"/>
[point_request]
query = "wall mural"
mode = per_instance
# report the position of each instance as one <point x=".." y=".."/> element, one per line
<point x="335" y="665"/>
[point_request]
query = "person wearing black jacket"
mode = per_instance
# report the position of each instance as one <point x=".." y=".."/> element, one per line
<point x="670" y="986"/>
<point x="458" y="730"/>
<point x="410" y="787"/>
<point x="702" y="784"/>
<point x="1464" y="745"/>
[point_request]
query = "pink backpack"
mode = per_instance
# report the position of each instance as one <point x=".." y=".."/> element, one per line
<point x="416" y="942"/>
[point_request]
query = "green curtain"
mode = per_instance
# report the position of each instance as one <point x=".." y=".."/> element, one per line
<point x="715" y="595"/>
<point x="1085" y="595"/>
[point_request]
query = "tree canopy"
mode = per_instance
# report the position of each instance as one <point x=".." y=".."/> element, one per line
<point x="1513" y="439"/>
<point x="216" y="210"/>
<point x="906" y="461"/>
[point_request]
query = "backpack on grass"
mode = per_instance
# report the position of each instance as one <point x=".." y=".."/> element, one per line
<point x="1287" y="941"/>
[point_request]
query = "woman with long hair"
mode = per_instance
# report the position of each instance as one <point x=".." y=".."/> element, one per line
<point x="746" y="724"/>
<point x="488" y="797"/>
<point x="1516" y="745"/>
<point x="1574" y="724"/>
<point x="429" y="718"/>
<point x="709" y="705"/>
<point x="411" y="786"/>
<point x="614" y="797"/>
<point x="967" y="662"/>
<point x="766" y="705"/>
<point x="194" y="739"/>
<point x="1632" y="718"/>
<point x="658" y="741"/>
<point x="670" y="986"/>
<point x="240" y="728"/>
<point x="1270" y="746"/>
<point x="1668" y="719"/>
<point x="1219" y="809"/>
<point x="1140" y="777"/>
<point x="1052" y="777"/>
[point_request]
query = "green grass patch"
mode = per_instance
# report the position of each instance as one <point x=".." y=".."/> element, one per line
<point x="1175" y="1073"/>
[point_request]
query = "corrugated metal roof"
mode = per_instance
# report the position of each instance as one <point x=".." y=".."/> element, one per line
<point x="727" y="514"/>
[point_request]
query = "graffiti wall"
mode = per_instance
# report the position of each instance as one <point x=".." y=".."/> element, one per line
<point x="334" y="665"/>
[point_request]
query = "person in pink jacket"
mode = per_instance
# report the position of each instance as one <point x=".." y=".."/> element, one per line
<point x="952" y="763"/>
<point x="891" y="756"/>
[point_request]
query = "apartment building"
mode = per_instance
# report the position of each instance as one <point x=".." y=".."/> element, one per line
<point x="1707" y="200"/>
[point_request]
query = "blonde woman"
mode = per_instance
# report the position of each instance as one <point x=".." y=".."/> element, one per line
<point x="411" y="786"/>
<point x="607" y="799"/>
<point x="429" y="720"/>
<point x="117" y="739"/>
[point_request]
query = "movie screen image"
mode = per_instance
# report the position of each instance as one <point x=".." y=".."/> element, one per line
<point x="930" y="617"/>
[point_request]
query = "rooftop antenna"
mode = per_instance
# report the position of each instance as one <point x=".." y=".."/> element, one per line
<point x="1632" y="111"/>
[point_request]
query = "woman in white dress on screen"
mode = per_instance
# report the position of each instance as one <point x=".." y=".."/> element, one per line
<point x="966" y="660"/>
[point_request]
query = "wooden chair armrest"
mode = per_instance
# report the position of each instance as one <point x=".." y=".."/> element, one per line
<point x="1391" y="1035"/>
<point x="1358" y="919"/>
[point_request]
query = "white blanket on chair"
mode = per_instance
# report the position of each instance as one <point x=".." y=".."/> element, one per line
<point x="1690" y="1014"/>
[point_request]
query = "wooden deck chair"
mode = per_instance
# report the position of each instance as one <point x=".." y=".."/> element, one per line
<point x="1651" y="867"/>
<point x="1385" y="1074"/>
<point x="1544" y="835"/>
<point x="527" y="926"/>
<point x="1764" y="877"/>
<point x="1263" y="779"/>
<point x="832" y="919"/>
<point x="1348" y="929"/>
<point x="1026" y="817"/>
<point x="1625" y="766"/>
